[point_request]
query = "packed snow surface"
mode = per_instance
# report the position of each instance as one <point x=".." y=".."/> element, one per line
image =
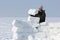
<point x="50" y="31"/>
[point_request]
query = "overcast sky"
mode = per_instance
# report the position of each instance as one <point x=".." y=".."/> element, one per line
<point x="18" y="8"/>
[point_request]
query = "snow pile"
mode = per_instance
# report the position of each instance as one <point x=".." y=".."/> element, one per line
<point x="48" y="32"/>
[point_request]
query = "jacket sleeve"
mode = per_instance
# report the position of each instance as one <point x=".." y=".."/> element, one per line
<point x="36" y="15"/>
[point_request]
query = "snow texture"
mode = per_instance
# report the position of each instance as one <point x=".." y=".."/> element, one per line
<point x="50" y="31"/>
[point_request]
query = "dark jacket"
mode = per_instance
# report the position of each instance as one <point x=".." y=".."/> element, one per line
<point x="41" y="15"/>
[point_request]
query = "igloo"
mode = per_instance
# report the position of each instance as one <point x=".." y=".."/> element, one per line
<point x="24" y="30"/>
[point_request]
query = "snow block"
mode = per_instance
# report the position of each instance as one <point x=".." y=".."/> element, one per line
<point x="21" y="30"/>
<point x="32" y="11"/>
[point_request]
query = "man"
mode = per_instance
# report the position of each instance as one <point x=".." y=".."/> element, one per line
<point x="41" y="14"/>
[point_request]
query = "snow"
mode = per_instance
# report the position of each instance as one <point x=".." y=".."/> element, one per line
<point x="20" y="27"/>
<point x="51" y="31"/>
<point x="46" y="31"/>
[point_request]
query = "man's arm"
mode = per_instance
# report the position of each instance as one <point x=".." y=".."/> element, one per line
<point x="36" y="15"/>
